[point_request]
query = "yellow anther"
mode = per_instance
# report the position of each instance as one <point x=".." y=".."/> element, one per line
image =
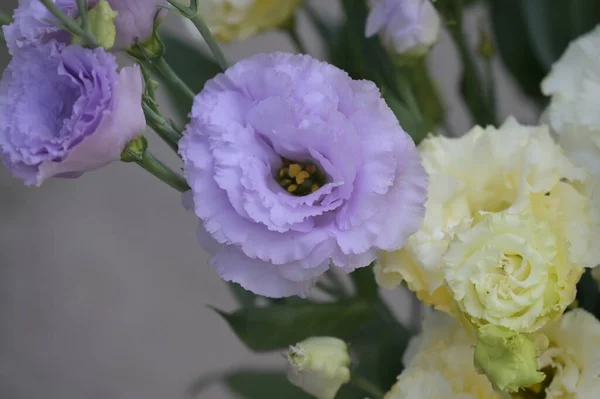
<point x="286" y="182"/>
<point x="294" y="169"/>
<point x="292" y="188"/>
<point x="300" y="177"/>
<point x="314" y="188"/>
<point x="283" y="172"/>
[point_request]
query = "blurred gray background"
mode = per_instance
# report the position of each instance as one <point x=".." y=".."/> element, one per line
<point x="103" y="288"/>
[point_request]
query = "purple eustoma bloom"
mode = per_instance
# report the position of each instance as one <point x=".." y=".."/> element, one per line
<point x="292" y="165"/>
<point x="66" y="110"/>
<point x="33" y="24"/>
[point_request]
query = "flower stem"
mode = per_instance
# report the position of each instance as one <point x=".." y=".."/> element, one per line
<point x="83" y="8"/>
<point x="163" y="172"/>
<point x="70" y="24"/>
<point x="367" y="386"/>
<point x="193" y="15"/>
<point x="171" y="77"/>
<point x="162" y="127"/>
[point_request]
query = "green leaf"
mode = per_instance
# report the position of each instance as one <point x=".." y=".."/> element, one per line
<point x="514" y="46"/>
<point x="365" y="284"/>
<point x="193" y="67"/>
<point x="378" y="349"/>
<point x="278" y="326"/>
<point x="243" y="297"/>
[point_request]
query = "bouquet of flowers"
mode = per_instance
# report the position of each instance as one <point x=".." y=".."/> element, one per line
<point x="318" y="183"/>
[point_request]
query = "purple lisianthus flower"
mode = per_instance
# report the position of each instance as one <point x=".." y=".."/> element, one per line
<point x="66" y="110"/>
<point x="408" y="27"/>
<point x="33" y="24"/>
<point x="293" y="164"/>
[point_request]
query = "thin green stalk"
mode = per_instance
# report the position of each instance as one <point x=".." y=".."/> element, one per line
<point x="171" y="77"/>
<point x="296" y="39"/>
<point x="163" y="172"/>
<point x="162" y="127"/>
<point x="193" y="15"/>
<point x="367" y="386"/>
<point x="327" y="289"/>
<point x="82" y="5"/>
<point x="69" y="23"/>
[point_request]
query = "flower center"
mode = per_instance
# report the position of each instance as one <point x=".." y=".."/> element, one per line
<point x="300" y="178"/>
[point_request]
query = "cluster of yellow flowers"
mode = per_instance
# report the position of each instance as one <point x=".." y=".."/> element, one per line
<point x="512" y="222"/>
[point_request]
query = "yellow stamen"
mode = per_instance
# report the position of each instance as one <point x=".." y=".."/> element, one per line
<point x="283" y="172"/>
<point x="294" y="169"/>
<point x="314" y="188"/>
<point x="292" y="188"/>
<point x="300" y="177"/>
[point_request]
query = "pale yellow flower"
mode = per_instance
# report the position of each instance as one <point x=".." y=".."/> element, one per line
<point x="572" y="359"/>
<point x="491" y="170"/>
<point x="319" y="366"/>
<point x="241" y="19"/>
<point x="439" y="365"/>
<point x="511" y="270"/>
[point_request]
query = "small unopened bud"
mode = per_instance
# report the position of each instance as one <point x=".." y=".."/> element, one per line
<point x="135" y="150"/>
<point x="102" y="25"/>
<point x="509" y="359"/>
<point x="319" y="366"/>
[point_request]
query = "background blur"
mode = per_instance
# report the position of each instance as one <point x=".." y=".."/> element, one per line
<point x="103" y="289"/>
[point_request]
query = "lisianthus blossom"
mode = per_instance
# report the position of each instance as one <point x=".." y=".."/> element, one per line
<point x="66" y="110"/>
<point x="574" y="87"/>
<point x="34" y="24"/>
<point x="293" y="164"/>
<point x="572" y="359"/>
<point x="439" y="364"/>
<point x="407" y="27"/>
<point x="230" y="20"/>
<point x="522" y="173"/>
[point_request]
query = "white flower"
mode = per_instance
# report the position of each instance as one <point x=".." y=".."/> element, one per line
<point x="488" y="171"/>
<point x="572" y="360"/>
<point x="319" y="366"/>
<point x="408" y="27"/>
<point x="241" y="19"/>
<point x="439" y="364"/>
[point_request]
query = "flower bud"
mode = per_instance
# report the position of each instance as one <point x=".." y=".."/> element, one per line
<point x="509" y="359"/>
<point x="319" y="366"/>
<point x="102" y="24"/>
<point x="408" y="28"/>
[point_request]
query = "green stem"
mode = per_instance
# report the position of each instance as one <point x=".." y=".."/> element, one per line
<point x="295" y="37"/>
<point x="474" y="92"/>
<point x="163" y="172"/>
<point x="82" y="5"/>
<point x="210" y="40"/>
<point x="162" y="127"/>
<point x="164" y="69"/>
<point x="193" y="15"/>
<point x="69" y="23"/>
<point x="367" y="386"/>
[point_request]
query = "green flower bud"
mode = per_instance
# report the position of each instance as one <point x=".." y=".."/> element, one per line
<point x="509" y="359"/>
<point x="135" y="150"/>
<point x="102" y="25"/>
<point x="319" y="366"/>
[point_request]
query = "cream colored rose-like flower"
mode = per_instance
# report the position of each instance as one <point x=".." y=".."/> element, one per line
<point x="511" y="270"/>
<point x="231" y="20"/>
<point x="439" y="364"/>
<point x="491" y="170"/>
<point x="572" y="360"/>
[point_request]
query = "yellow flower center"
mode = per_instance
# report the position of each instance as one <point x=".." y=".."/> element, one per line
<point x="300" y="178"/>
